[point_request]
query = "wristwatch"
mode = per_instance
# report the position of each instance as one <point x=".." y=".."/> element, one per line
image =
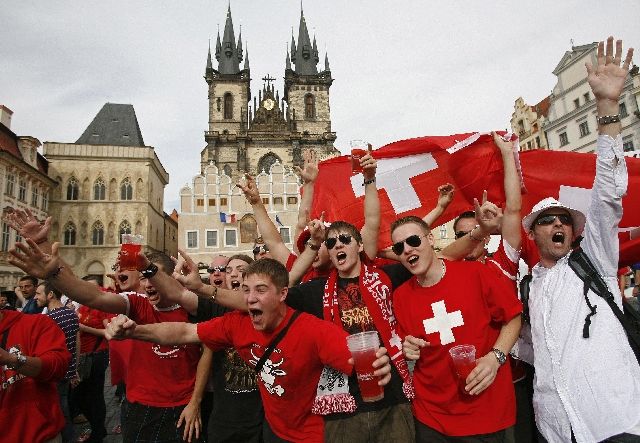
<point x="21" y="360"/>
<point x="500" y="356"/>
<point x="606" y="119"/>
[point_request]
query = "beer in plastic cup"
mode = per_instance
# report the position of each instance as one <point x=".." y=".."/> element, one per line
<point x="129" y="250"/>
<point x="363" y="347"/>
<point x="464" y="360"/>
<point x="358" y="150"/>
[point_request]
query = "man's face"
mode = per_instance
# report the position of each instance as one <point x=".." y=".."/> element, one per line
<point x="417" y="259"/>
<point x="345" y="253"/>
<point x="28" y="288"/>
<point x="154" y="297"/>
<point x="129" y="281"/>
<point x="552" y="237"/>
<point x="3" y="301"/>
<point x="235" y="268"/>
<point x="260" y="251"/>
<point x="264" y="302"/>
<point x="322" y="262"/>
<point x="217" y="272"/>
<point x="466" y="225"/>
<point x="41" y="297"/>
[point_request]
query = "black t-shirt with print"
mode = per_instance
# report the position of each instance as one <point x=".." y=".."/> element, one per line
<point x="355" y="318"/>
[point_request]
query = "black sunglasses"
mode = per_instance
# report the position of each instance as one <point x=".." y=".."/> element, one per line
<point x="547" y="219"/>
<point x="256" y="250"/>
<point x="461" y="234"/>
<point x="330" y="242"/>
<point x="413" y="240"/>
<point x="213" y="269"/>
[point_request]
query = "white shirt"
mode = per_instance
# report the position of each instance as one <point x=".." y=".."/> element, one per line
<point x="588" y="385"/>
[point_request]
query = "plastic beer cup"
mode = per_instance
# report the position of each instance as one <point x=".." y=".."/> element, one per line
<point x="129" y="250"/>
<point x="464" y="360"/>
<point x="363" y="347"/>
<point x="358" y="150"/>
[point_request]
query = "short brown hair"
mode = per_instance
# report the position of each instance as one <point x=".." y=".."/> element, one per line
<point x="410" y="219"/>
<point x="245" y="258"/>
<point x="339" y="226"/>
<point x="49" y="287"/>
<point x="272" y="269"/>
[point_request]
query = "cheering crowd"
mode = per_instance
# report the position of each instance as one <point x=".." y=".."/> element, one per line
<point x="258" y="353"/>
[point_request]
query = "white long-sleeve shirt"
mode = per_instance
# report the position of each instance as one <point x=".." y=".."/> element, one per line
<point x="588" y="385"/>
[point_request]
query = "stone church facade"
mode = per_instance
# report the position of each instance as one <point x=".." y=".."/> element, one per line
<point x="264" y="135"/>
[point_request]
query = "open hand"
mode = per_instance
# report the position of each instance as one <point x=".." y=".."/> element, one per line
<point x="607" y="78"/>
<point x="483" y="374"/>
<point x="32" y="260"/>
<point x="309" y="171"/>
<point x="250" y="189"/>
<point x="28" y="226"/>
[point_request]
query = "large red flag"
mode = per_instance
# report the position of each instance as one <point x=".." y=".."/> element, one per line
<point x="410" y="171"/>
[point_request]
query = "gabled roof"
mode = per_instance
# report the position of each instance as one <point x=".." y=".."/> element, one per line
<point x="575" y="53"/>
<point x="9" y="144"/>
<point x="115" y="125"/>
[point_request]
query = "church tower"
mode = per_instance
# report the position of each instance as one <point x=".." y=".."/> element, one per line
<point x="306" y="90"/>
<point x="229" y="95"/>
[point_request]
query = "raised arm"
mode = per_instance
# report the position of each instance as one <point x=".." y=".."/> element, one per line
<point x="371" y="228"/>
<point x="305" y="260"/>
<point x="445" y="196"/>
<point x="511" y="229"/>
<point x="308" y="173"/>
<point x="607" y="81"/>
<point x="268" y="230"/>
<point x="166" y="333"/>
<point x="32" y="260"/>
<point x="28" y="226"/>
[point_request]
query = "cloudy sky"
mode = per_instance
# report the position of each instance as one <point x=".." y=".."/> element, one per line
<point x="401" y="68"/>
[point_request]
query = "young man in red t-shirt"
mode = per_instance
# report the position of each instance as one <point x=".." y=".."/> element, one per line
<point x="289" y="376"/>
<point x="446" y="304"/>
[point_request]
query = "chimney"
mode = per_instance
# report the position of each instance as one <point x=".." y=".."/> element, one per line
<point x="5" y="116"/>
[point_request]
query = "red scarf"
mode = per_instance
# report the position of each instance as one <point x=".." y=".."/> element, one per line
<point x="375" y="289"/>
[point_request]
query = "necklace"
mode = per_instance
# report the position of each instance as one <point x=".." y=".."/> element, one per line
<point x="423" y="283"/>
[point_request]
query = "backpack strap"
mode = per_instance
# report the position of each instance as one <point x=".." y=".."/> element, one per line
<point x="525" y="283"/>
<point x="274" y="342"/>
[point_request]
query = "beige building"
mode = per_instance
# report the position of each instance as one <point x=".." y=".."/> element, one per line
<point x="109" y="183"/>
<point x="264" y="135"/>
<point x="527" y="122"/>
<point x="24" y="184"/>
<point x="571" y="122"/>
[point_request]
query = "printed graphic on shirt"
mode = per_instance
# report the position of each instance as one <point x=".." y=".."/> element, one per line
<point x="443" y="322"/>
<point x="270" y="371"/>
<point x="353" y="311"/>
<point x="238" y="375"/>
<point x="9" y="376"/>
<point x="167" y="351"/>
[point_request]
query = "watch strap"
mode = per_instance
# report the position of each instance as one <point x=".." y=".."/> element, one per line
<point x="500" y="356"/>
<point x="606" y="119"/>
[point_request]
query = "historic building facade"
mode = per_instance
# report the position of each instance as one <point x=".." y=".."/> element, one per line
<point x="571" y="122"/>
<point x="109" y="183"/>
<point x="24" y="184"/>
<point x="527" y="122"/>
<point x="264" y="135"/>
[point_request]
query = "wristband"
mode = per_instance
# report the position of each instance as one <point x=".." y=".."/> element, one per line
<point x="215" y="293"/>
<point x="368" y="182"/>
<point x="312" y="246"/>
<point x="150" y="271"/>
<point x="471" y="234"/>
<point x="606" y="119"/>
<point x="55" y="273"/>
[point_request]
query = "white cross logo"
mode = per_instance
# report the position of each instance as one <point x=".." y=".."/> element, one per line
<point x="395" y="341"/>
<point x="443" y="322"/>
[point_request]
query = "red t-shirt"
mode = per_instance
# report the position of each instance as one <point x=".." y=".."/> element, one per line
<point x="477" y="303"/>
<point x="92" y="318"/>
<point x="29" y="406"/>
<point x="289" y="379"/>
<point x="160" y="376"/>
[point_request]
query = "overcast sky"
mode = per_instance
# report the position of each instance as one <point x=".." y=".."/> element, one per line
<point x="402" y="68"/>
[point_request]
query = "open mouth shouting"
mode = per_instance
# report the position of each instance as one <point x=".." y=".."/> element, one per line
<point x="152" y="295"/>
<point x="123" y="278"/>
<point x="255" y="314"/>
<point x="235" y="285"/>
<point x="412" y="259"/>
<point x="341" y="257"/>
<point x="218" y="282"/>
<point x="558" y="238"/>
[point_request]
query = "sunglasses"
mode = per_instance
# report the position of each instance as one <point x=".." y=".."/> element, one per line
<point x="547" y="219"/>
<point x="256" y="250"/>
<point x="461" y="234"/>
<point x="413" y="240"/>
<point x="213" y="269"/>
<point x="330" y="242"/>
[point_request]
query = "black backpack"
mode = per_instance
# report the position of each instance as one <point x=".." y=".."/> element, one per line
<point x="582" y="266"/>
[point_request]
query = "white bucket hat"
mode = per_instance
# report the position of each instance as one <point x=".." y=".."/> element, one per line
<point x="548" y="203"/>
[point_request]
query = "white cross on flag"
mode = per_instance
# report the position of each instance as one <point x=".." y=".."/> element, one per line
<point x="443" y="322"/>
<point x="409" y="172"/>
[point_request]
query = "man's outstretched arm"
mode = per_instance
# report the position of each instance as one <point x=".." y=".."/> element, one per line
<point x="166" y="333"/>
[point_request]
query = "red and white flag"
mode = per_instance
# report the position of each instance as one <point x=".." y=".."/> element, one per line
<point x="409" y="172"/>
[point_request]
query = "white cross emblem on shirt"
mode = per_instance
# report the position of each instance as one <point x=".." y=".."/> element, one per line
<point x="443" y="322"/>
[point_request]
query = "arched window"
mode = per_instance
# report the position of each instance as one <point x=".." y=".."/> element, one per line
<point x="265" y="163"/>
<point x="97" y="234"/>
<point x="227" y="170"/>
<point x="125" y="228"/>
<point x="228" y="106"/>
<point x="99" y="189"/>
<point x="70" y="234"/>
<point x="126" y="190"/>
<point x="73" y="189"/>
<point x="309" y="106"/>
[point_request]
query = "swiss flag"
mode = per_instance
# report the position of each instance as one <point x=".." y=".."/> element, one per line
<point x="409" y="172"/>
